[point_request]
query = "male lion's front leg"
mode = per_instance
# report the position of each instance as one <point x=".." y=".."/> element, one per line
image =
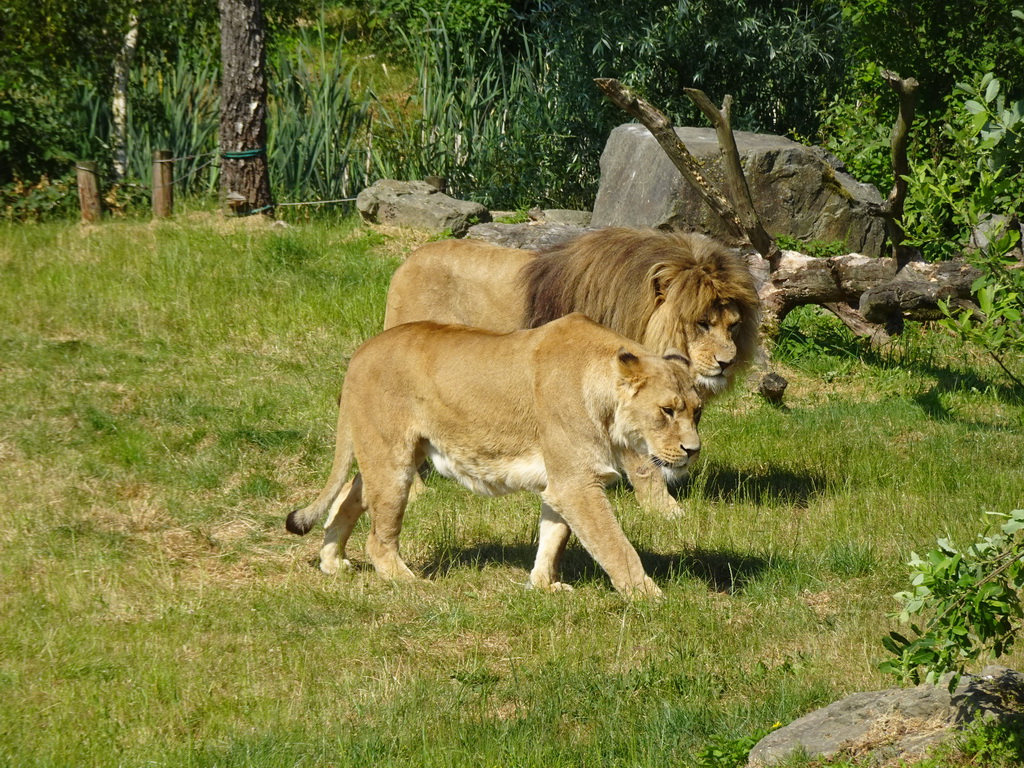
<point x="587" y="511"/>
<point x="649" y="486"/>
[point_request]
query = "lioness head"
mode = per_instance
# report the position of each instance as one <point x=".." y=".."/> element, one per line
<point x="658" y="407"/>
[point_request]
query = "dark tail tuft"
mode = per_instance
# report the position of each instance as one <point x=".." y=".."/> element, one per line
<point x="295" y="525"/>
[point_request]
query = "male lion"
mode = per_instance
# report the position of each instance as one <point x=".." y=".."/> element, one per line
<point x="664" y="289"/>
<point x="552" y="410"/>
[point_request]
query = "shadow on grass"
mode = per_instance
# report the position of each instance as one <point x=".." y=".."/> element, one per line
<point x="721" y="571"/>
<point x="728" y="485"/>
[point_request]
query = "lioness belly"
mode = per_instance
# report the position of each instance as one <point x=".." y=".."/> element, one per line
<point x="491" y="476"/>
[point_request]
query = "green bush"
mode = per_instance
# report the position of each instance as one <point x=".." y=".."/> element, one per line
<point x="972" y="599"/>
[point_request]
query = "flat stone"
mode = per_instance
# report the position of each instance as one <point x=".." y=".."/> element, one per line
<point x="418" y="205"/>
<point x="530" y="236"/>
<point x="896" y="721"/>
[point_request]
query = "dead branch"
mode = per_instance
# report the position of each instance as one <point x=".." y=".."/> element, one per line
<point x="661" y="129"/>
<point x="735" y="179"/>
<point x="892" y="208"/>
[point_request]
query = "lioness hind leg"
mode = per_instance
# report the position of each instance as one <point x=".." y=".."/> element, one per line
<point x="341" y="519"/>
<point x="419" y="487"/>
<point x="386" y="494"/>
<point x="590" y="515"/>
<point x="553" y="536"/>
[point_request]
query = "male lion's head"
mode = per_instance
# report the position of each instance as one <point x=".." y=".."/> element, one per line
<point x="658" y="408"/>
<point x="664" y="289"/>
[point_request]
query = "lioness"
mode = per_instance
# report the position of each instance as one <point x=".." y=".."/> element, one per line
<point x="552" y="410"/>
<point x="664" y="289"/>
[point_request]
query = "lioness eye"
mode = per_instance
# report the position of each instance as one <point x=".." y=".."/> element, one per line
<point x="696" y="415"/>
<point x="668" y="412"/>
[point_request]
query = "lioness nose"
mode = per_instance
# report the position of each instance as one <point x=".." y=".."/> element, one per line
<point x="690" y="452"/>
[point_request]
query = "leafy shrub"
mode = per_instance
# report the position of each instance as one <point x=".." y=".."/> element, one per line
<point x="20" y="201"/>
<point x="731" y="753"/>
<point x="1000" y="296"/>
<point x="972" y="598"/>
<point x="950" y="195"/>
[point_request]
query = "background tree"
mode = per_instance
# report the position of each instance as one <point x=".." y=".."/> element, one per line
<point x="243" y="106"/>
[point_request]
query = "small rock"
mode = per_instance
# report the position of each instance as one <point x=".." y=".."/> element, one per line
<point x="418" y="205"/>
<point x="772" y="388"/>
<point x="532" y="236"/>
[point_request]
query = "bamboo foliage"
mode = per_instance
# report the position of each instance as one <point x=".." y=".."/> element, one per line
<point x="473" y="115"/>
<point x="316" y="124"/>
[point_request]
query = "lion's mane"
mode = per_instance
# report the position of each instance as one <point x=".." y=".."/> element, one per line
<point x="597" y="273"/>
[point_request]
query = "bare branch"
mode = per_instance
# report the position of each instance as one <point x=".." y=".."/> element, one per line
<point x="661" y="128"/>
<point x="892" y="208"/>
<point x="736" y="180"/>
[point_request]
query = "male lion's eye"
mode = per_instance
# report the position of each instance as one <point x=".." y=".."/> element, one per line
<point x="668" y="412"/>
<point x="704" y="327"/>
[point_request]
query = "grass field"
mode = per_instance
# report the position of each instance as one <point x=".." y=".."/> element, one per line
<point x="169" y="394"/>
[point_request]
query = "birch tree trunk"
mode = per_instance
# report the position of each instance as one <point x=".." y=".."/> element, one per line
<point x="119" y="104"/>
<point x="245" y="180"/>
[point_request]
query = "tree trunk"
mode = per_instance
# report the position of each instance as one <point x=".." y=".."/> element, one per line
<point x="119" y="103"/>
<point x="245" y="180"/>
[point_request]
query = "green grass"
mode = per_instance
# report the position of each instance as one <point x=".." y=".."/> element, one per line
<point x="168" y="395"/>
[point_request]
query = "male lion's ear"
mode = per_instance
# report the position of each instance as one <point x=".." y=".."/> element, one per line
<point x="630" y="367"/>
<point x="660" y="278"/>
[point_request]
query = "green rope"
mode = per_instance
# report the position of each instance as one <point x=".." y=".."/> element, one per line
<point x="244" y="154"/>
<point x="257" y="210"/>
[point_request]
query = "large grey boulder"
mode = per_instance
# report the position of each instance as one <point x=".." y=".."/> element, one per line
<point x="418" y="205"/>
<point x="797" y="190"/>
<point x="898" y="721"/>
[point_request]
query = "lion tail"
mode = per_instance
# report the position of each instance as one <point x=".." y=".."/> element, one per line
<point x="301" y="521"/>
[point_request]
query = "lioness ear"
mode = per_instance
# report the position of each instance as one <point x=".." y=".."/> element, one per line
<point x="630" y="367"/>
<point x="675" y="356"/>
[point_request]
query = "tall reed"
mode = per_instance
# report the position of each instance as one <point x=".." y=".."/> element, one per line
<point x="317" y="124"/>
<point x="478" y="116"/>
<point x="482" y="117"/>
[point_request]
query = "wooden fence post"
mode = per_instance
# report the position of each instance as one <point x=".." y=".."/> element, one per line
<point x="163" y="184"/>
<point x="88" y="190"/>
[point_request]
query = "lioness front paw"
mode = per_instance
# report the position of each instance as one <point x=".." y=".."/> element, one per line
<point x="647" y="589"/>
<point x="550" y="586"/>
<point x="331" y="566"/>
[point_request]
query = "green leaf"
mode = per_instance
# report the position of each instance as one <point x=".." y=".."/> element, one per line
<point x="992" y="91"/>
<point x="976" y="108"/>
